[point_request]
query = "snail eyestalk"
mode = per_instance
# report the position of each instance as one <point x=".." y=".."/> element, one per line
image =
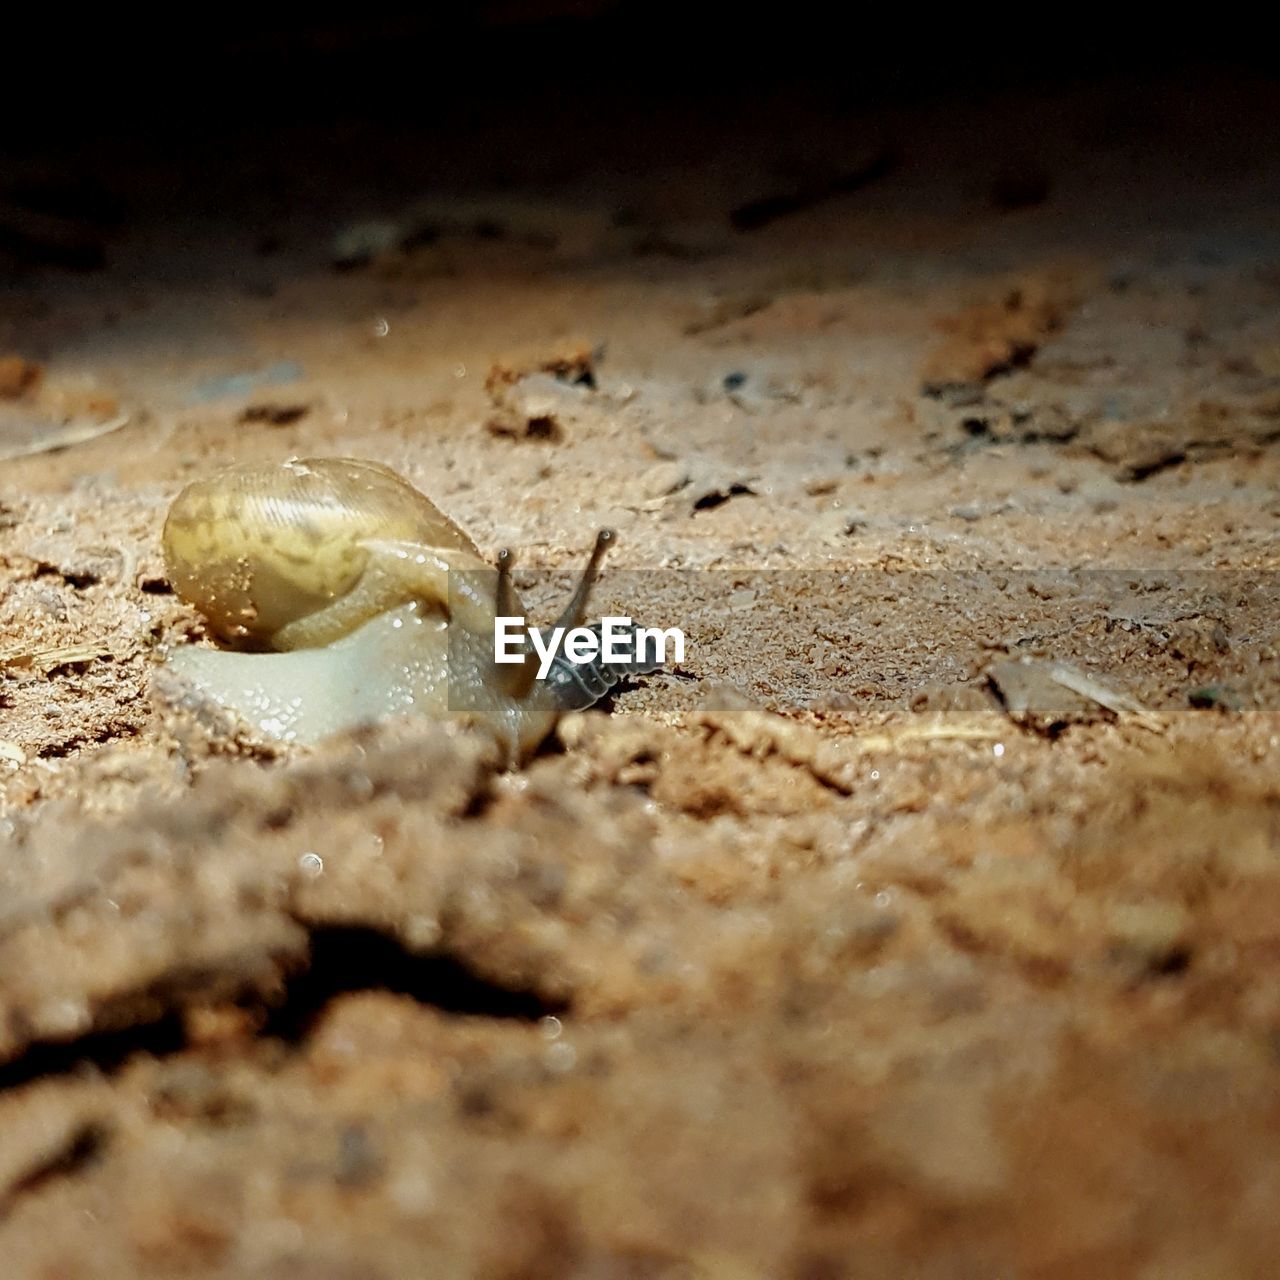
<point x="576" y="609"/>
<point x="505" y="603"/>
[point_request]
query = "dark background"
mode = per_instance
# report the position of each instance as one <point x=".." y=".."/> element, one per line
<point x="114" y="120"/>
<point x="204" y="69"/>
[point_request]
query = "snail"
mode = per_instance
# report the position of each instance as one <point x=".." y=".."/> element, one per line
<point x="346" y="597"/>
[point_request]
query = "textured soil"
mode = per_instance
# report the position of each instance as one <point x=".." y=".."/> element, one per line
<point x="848" y="946"/>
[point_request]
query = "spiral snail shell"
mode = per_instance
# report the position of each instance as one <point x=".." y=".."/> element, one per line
<point x="347" y="596"/>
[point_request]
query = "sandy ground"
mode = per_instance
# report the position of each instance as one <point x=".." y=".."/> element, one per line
<point x="809" y="958"/>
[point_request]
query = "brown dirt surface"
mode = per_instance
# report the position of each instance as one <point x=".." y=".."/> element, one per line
<point x="800" y="959"/>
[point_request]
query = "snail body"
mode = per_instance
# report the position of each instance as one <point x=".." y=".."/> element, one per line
<point x="346" y="596"/>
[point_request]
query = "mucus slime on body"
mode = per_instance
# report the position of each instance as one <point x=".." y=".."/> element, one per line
<point x="348" y="597"/>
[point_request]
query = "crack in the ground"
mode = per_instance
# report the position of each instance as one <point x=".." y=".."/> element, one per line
<point x="342" y="959"/>
<point x="102" y="1051"/>
<point x="83" y="1146"/>
<point x="356" y="958"/>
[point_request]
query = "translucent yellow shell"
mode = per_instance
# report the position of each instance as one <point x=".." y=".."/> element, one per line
<point x="264" y="552"/>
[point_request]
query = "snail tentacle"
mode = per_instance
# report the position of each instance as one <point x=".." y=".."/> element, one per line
<point x="576" y="609"/>
<point x="504" y="599"/>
